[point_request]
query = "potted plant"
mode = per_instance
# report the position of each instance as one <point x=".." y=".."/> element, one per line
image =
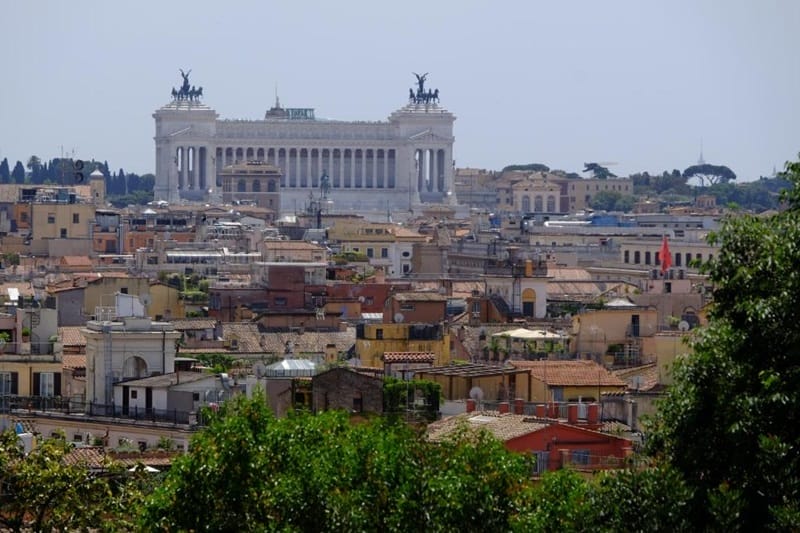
<point x="5" y="338"/>
<point x="26" y="334"/>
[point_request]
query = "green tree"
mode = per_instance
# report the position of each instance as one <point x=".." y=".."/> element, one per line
<point x="43" y="492"/>
<point x="248" y="471"/>
<point x="532" y="167"/>
<point x="612" y="201"/>
<point x="731" y="422"/>
<point x="18" y="174"/>
<point x="5" y="172"/>
<point x="711" y="174"/>
<point x="598" y="171"/>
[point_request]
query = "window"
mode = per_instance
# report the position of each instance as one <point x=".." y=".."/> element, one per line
<point x="580" y="457"/>
<point x="358" y="403"/>
<point x="76" y="218"/>
<point x="124" y="290"/>
<point x="23" y="217"/>
<point x="51" y="218"/>
<point x="9" y="383"/>
<point x="369" y="300"/>
<point x="384" y="252"/>
<point x="406" y="254"/>
<point x="134" y="394"/>
<point x="46" y="384"/>
<point x="370" y="252"/>
<point x="379" y="334"/>
<point x="63" y="233"/>
<point x="280" y="301"/>
<point x="406" y="268"/>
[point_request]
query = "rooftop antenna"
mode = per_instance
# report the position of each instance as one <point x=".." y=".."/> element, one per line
<point x="700" y="160"/>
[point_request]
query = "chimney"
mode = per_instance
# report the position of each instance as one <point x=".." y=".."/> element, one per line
<point x="502" y="407"/>
<point x="541" y="411"/>
<point x="593" y="413"/>
<point x="519" y="406"/>
<point x="572" y="413"/>
<point x="553" y="410"/>
<point x="470" y="405"/>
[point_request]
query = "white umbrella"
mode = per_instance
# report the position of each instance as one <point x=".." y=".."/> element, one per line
<point x="141" y="467"/>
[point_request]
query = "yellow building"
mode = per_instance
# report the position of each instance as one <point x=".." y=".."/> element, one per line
<point x="567" y="381"/>
<point x="621" y="327"/>
<point x="375" y="339"/>
<point x="165" y="302"/>
<point x="100" y="292"/>
<point x="61" y="220"/>
<point x="31" y="375"/>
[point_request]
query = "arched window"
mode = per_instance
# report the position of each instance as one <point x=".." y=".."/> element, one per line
<point x="526" y="204"/>
<point x="271" y="186"/>
<point x="551" y="204"/>
<point x="241" y="186"/>
<point x="627" y="256"/>
<point x="647" y="258"/>
<point x="537" y="204"/>
<point x="637" y="257"/>
<point x="256" y="185"/>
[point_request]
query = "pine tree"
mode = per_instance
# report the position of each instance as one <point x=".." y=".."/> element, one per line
<point x="5" y="172"/>
<point x="18" y="174"/>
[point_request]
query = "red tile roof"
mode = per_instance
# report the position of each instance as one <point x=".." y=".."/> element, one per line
<point x="71" y="336"/>
<point x="408" y="357"/>
<point x="570" y="373"/>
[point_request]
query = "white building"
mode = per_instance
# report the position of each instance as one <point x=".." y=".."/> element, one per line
<point x="124" y="349"/>
<point x="397" y="164"/>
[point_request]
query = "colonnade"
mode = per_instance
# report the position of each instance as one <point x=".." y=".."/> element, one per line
<point x="359" y="168"/>
<point x="191" y="164"/>
<point x="430" y="165"/>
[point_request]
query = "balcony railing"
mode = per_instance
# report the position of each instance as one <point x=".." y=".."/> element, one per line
<point x="59" y="406"/>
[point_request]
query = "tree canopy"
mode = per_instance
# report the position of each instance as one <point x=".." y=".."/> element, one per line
<point x="598" y="171"/>
<point x="731" y="421"/>
<point x="533" y="167"/>
<point x="710" y="174"/>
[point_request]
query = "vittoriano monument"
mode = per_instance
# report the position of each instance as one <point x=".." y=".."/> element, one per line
<point x="401" y="163"/>
<point x="421" y="96"/>
<point x="187" y="91"/>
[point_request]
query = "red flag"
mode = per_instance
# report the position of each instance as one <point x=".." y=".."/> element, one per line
<point x="664" y="255"/>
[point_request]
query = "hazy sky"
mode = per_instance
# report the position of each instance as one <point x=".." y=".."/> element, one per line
<point x="639" y="84"/>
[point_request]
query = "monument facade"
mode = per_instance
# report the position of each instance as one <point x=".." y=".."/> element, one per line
<point x="398" y="164"/>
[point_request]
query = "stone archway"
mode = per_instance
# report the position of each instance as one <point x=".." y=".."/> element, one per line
<point x="134" y="367"/>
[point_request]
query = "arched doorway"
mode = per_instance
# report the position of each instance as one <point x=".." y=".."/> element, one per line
<point x="528" y="302"/>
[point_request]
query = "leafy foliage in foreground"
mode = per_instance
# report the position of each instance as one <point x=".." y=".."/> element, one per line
<point x="251" y="471"/>
<point x="731" y="422"/>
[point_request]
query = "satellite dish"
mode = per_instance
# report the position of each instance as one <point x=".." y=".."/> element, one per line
<point x="398" y="318"/>
<point x="683" y="325"/>
<point x="260" y="369"/>
<point x="361" y="299"/>
<point x="476" y="393"/>
<point x="145" y="299"/>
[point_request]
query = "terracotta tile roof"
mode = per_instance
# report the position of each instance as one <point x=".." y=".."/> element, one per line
<point x="95" y="457"/>
<point x="408" y="357"/>
<point x="73" y="361"/>
<point x="185" y="324"/>
<point x="570" y="373"/>
<point x="251" y="339"/>
<point x="76" y="261"/>
<point x="419" y="297"/>
<point x="504" y="426"/>
<point x="71" y="336"/>
<point x="648" y="374"/>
